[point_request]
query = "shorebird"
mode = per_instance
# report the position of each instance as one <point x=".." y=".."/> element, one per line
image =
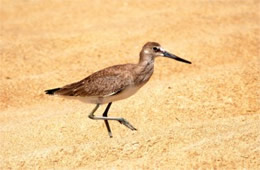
<point x="115" y="83"/>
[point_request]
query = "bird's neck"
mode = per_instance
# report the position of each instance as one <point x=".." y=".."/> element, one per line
<point x="144" y="69"/>
<point x="145" y="57"/>
<point x="146" y="61"/>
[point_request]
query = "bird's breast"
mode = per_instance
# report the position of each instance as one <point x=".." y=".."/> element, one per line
<point x="144" y="74"/>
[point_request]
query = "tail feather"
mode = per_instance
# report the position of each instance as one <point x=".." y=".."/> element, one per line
<point x="52" y="91"/>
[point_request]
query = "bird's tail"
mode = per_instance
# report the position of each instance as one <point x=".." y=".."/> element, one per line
<point x="52" y="91"/>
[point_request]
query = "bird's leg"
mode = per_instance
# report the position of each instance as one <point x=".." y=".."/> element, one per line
<point x="92" y="116"/>
<point x="104" y="117"/>
<point x="106" y="121"/>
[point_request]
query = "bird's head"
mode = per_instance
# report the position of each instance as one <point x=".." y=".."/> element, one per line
<point x="154" y="49"/>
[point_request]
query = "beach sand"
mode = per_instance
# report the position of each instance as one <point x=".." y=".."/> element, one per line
<point x="204" y="115"/>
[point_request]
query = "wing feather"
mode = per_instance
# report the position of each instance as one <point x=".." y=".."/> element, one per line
<point x="106" y="82"/>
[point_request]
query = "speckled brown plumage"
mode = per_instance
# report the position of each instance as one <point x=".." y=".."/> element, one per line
<point x="112" y="80"/>
<point x="105" y="82"/>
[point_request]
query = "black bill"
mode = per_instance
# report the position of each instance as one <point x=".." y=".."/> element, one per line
<point x="166" y="54"/>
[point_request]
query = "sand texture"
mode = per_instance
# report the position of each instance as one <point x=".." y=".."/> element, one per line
<point x="200" y="116"/>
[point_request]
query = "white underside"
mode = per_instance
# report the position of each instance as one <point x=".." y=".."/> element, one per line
<point x="131" y="90"/>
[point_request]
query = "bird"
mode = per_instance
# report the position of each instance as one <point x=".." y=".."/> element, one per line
<point x="115" y="83"/>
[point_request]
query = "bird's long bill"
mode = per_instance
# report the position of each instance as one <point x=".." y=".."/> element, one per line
<point x="167" y="54"/>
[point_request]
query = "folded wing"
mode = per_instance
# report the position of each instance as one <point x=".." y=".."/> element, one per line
<point x="105" y="82"/>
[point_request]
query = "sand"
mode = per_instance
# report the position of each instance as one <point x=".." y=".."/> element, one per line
<point x="201" y="116"/>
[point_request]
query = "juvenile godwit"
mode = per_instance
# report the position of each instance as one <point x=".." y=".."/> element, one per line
<point x="115" y="83"/>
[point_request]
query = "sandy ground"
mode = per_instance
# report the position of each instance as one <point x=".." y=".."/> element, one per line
<point x="204" y="115"/>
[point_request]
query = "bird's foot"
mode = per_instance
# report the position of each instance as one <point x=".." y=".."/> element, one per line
<point x="127" y="124"/>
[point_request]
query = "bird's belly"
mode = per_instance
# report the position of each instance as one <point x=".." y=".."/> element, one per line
<point x="129" y="91"/>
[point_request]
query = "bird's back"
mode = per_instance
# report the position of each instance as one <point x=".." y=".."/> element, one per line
<point x="102" y="83"/>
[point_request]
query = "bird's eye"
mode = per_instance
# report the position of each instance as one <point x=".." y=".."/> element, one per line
<point x="156" y="49"/>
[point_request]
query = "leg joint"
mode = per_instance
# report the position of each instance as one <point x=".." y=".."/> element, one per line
<point x="91" y="116"/>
